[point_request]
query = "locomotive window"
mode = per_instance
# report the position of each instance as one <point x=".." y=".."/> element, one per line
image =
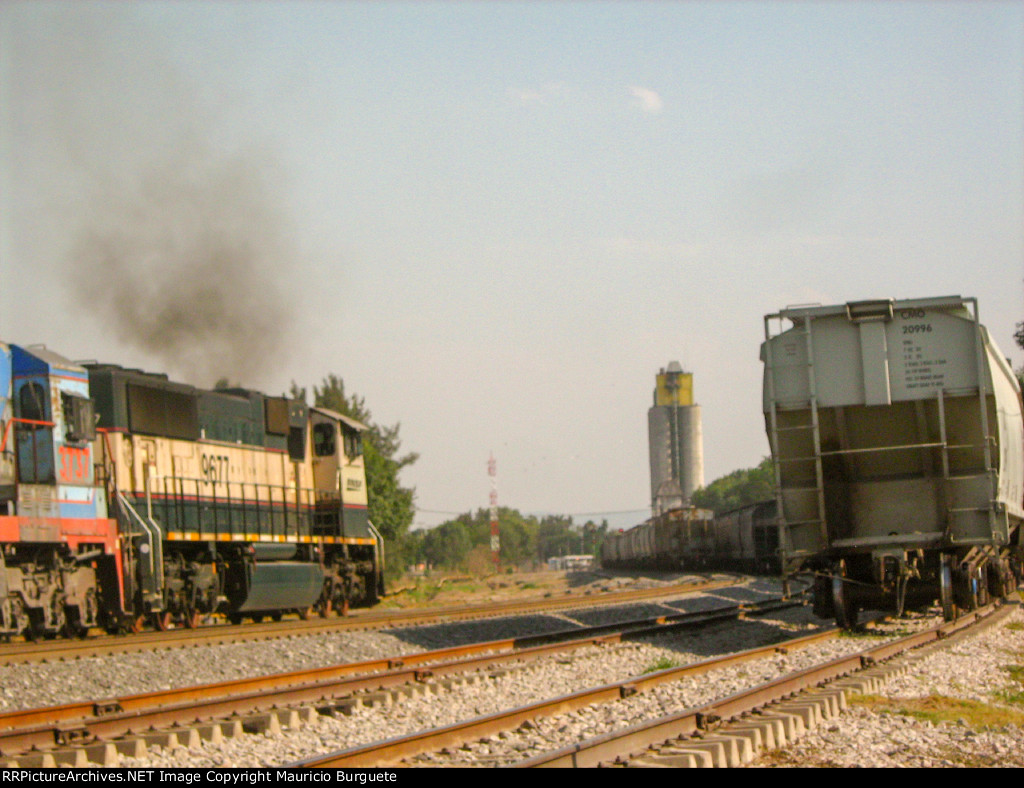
<point x="275" y="414"/>
<point x="80" y="424"/>
<point x="323" y="439"/>
<point x="297" y="444"/>
<point x="32" y="402"/>
<point x="353" y="443"/>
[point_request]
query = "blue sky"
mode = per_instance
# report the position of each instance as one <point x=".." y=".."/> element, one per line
<point x="497" y="221"/>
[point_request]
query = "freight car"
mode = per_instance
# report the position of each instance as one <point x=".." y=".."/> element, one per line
<point x="896" y="431"/>
<point x="744" y="539"/>
<point x="127" y="498"/>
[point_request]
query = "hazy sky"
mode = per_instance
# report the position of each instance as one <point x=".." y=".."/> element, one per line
<point x="497" y="221"/>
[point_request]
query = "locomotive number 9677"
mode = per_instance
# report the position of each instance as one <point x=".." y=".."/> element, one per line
<point x="215" y="468"/>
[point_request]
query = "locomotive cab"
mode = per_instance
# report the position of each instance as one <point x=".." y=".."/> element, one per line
<point x="353" y="554"/>
<point x="54" y="532"/>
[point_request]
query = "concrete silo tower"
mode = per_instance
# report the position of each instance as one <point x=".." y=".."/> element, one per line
<point x="676" y="442"/>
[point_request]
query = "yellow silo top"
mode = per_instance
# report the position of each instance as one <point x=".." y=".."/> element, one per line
<point x="674" y="388"/>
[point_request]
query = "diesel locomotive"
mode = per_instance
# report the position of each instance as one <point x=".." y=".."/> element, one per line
<point x="127" y="499"/>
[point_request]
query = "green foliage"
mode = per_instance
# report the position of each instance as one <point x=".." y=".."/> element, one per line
<point x="391" y="505"/>
<point x="524" y="539"/>
<point x="739" y="488"/>
<point x="663" y="663"/>
<point x="1018" y="336"/>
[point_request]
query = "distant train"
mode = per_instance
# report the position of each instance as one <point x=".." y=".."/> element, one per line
<point x="126" y="498"/>
<point x="897" y="436"/>
<point x="744" y="539"/>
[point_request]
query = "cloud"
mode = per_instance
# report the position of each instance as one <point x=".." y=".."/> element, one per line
<point x="647" y="100"/>
<point x="538" y="95"/>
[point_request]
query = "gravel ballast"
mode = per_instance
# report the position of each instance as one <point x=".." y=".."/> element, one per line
<point x="859" y="738"/>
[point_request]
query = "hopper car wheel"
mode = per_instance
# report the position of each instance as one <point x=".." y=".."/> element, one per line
<point x="981" y="587"/>
<point x="966" y="590"/>
<point x="137" y="624"/>
<point x="235" y="618"/>
<point x="326" y="609"/>
<point x="845" y="610"/>
<point x="276" y="616"/>
<point x="304" y="613"/>
<point x="949" y="612"/>
<point x="193" y="619"/>
<point x="162" y="620"/>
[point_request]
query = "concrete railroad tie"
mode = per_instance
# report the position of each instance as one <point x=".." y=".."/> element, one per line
<point x="740" y="741"/>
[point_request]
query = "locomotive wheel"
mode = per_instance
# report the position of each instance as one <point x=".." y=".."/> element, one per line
<point x="73" y="626"/>
<point x="235" y="618"/>
<point x="845" y="610"/>
<point x="193" y="619"/>
<point x="949" y="611"/>
<point x="162" y="620"/>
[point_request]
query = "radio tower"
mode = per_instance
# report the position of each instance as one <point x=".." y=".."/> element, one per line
<point x="492" y="471"/>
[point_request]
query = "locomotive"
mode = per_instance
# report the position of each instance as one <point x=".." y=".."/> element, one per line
<point x="744" y="539"/>
<point x="127" y="499"/>
<point x="896" y="432"/>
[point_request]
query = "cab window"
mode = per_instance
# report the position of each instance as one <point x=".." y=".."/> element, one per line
<point x="353" y="443"/>
<point x="323" y="439"/>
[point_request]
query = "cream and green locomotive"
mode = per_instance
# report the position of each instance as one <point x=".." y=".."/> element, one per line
<point x="230" y="501"/>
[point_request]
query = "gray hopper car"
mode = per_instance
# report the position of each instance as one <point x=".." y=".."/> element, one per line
<point x="896" y="431"/>
<point x="744" y="539"/>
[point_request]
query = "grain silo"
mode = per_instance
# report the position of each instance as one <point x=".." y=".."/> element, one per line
<point x="676" y="443"/>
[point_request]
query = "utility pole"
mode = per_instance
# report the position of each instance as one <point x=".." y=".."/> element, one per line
<point x="492" y="471"/>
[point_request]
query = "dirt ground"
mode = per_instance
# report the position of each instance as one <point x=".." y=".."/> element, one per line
<point x="441" y="590"/>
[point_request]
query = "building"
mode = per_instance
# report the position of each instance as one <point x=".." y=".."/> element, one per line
<point x="676" y="442"/>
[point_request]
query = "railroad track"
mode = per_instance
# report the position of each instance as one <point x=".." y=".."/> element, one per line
<point x="724" y="732"/>
<point x="19" y="651"/>
<point x="101" y="731"/>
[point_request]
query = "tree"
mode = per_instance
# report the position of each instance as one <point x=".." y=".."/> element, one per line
<point x="739" y="488"/>
<point x="447" y="545"/>
<point x="391" y="505"/>
<point x="1018" y="336"/>
<point x="556" y="537"/>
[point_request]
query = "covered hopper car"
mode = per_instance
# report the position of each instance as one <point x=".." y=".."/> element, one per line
<point x="127" y="498"/>
<point x="896" y="432"/>
<point x="744" y="539"/>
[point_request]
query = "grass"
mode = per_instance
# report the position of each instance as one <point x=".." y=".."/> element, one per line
<point x="662" y="664"/>
<point x="1013" y="695"/>
<point x="938" y="709"/>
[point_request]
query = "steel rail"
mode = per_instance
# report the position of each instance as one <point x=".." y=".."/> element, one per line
<point x="104" y="720"/>
<point x="13" y="653"/>
<point x="393" y="751"/>
<point x="619" y="746"/>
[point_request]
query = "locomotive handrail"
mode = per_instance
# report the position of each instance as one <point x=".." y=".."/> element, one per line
<point x="16" y="420"/>
<point x="379" y="547"/>
<point x="304" y="499"/>
<point x="156" y="567"/>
